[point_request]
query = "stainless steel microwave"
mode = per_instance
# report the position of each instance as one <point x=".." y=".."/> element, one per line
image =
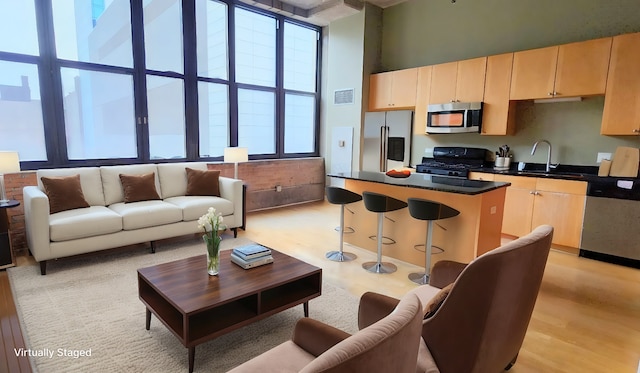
<point x="454" y="117"/>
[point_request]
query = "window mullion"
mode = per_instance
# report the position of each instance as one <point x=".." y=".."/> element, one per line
<point x="189" y="43"/>
<point x="280" y="99"/>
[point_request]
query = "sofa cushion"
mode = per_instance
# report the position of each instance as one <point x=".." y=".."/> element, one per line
<point x="64" y="193"/>
<point x="145" y="214"/>
<point x="138" y="188"/>
<point x="112" y="186"/>
<point x="194" y="207"/>
<point x="203" y="183"/>
<point x="293" y="359"/>
<point x="89" y="179"/>
<point x="84" y="222"/>
<point x="173" y="177"/>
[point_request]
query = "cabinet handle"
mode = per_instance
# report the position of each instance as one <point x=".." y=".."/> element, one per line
<point x="636" y="130"/>
<point x="550" y="94"/>
<point x="532" y="192"/>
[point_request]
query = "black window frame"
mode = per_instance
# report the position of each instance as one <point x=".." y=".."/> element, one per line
<point x="51" y="94"/>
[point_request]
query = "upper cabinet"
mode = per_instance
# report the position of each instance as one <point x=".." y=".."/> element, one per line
<point x="568" y="70"/>
<point x="422" y="99"/>
<point x="621" y="114"/>
<point x="394" y="90"/>
<point x="461" y="81"/>
<point x="498" y="117"/>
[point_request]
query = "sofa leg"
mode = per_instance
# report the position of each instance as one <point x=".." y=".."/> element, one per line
<point x="43" y="267"/>
<point x="153" y="247"/>
<point x="235" y="232"/>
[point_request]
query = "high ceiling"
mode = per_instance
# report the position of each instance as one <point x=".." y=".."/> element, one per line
<point x="318" y="12"/>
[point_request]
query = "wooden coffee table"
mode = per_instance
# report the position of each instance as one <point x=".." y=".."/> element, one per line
<point x="197" y="307"/>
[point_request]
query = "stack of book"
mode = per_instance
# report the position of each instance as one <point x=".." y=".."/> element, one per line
<point x="252" y="255"/>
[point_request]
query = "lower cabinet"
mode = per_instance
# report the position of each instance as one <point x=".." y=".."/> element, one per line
<point x="530" y="202"/>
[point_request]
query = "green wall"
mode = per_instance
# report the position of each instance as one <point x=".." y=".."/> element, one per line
<point x="426" y="32"/>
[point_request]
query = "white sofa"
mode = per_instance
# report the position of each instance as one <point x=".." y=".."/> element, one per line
<point x="109" y="222"/>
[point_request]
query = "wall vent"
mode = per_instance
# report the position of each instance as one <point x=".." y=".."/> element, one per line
<point x="343" y="96"/>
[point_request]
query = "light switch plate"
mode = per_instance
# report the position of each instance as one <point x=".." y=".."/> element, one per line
<point x="602" y="156"/>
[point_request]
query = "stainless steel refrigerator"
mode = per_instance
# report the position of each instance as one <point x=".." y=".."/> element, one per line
<point x="387" y="140"/>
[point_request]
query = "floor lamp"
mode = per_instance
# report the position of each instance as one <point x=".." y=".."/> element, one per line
<point x="236" y="155"/>
<point x="9" y="162"/>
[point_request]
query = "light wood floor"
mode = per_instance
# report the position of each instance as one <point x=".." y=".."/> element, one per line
<point x="586" y="319"/>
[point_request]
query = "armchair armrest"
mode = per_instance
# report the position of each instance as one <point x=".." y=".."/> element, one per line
<point x="374" y="307"/>
<point x="316" y="337"/>
<point x="231" y="189"/>
<point x="36" y="218"/>
<point x="444" y="273"/>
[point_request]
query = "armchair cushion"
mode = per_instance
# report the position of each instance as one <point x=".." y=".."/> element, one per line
<point x="316" y="337"/>
<point x="138" y="188"/>
<point x="65" y="193"/>
<point x="203" y="182"/>
<point x="436" y="301"/>
<point x="445" y="272"/>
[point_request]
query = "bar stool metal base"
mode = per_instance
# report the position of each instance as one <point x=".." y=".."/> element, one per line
<point x="419" y="278"/>
<point x="379" y="267"/>
<point x="340" y="256"/>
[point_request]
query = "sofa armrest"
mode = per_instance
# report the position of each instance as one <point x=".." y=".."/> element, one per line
<point x="444" y="273"/>
<point x="231" y="189"/>
<point x="316" y="337"/>
<point x="36" y="218"/>
<point x="373" y="308"/>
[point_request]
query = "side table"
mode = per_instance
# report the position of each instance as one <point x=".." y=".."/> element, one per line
<point x="6" y="254"/>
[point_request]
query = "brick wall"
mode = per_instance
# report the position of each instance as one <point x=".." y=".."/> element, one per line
<point x="301" y="180"/>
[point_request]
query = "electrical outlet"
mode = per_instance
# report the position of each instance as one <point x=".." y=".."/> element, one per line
<point x="278" y="188"/>
<point x="602" y="156"/>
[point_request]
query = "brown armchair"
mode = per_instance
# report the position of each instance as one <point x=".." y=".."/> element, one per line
<point x="388" y="345"/>
<point x="481" y="323"/>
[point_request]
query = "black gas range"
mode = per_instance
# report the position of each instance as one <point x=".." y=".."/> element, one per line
<point x="453" y="161"/>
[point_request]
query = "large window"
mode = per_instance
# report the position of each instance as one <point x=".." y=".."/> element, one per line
<point x="120" y="81"/>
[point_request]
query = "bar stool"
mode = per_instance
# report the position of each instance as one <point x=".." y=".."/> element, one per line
<point x="430" y="211"/>
<point x="339" y="196"/>
<point x="380" y="203"/>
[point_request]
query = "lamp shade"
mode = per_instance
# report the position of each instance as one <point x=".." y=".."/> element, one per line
<point x="236" y="155"/>
<point x="9" y="162"/>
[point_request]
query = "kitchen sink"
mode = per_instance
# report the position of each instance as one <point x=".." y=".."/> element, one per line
<point x="561" y="174"/>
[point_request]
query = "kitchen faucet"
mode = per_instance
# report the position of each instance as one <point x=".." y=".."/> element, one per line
<point x="549" y="165"/>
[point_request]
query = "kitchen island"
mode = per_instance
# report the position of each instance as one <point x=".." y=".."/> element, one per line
<point x="462" y="238"/>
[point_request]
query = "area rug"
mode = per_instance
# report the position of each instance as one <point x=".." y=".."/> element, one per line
<point x="90" y="305"/>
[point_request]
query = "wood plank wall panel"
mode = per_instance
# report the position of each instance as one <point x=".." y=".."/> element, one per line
<point x="302" y="180"/>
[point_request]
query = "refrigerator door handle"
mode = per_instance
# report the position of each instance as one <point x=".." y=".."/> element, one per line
<point x="382" y="150"/>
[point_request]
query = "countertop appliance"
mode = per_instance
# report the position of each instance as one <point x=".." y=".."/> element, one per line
<point x="454" y="117"/>
<point x="610" y="229"/>
<point x="387" y="140"/>
<point x="453" y="161"/>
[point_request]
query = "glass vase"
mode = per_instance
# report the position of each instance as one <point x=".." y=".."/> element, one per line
<point x="213" y="254"/>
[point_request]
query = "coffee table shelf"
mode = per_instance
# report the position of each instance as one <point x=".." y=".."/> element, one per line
<point x="197" y="307"/>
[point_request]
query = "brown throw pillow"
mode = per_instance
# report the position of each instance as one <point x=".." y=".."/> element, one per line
<point x="138" y="188"/>
<point x="437" y="301"/>
<point x="65" y="193"/>
<point x="202" y="183"/>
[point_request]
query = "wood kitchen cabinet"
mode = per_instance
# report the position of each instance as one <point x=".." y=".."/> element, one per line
<point x="461" y="81"/>
<point x="422" y="100"/>
<point x="531" y="201"/>
<point x="481" y="176"/>
<point x="393" y="90"/>
<point x="498" y="116"/>
<point x="621" y="114"/>
<point x="568" y="70"/>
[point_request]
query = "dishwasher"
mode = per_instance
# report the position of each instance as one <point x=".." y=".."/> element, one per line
<point x="611" y="227"/>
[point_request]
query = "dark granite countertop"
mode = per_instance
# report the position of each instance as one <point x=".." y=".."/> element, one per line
<point x="427" y="181"/>
<point x="567" y="172"/>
